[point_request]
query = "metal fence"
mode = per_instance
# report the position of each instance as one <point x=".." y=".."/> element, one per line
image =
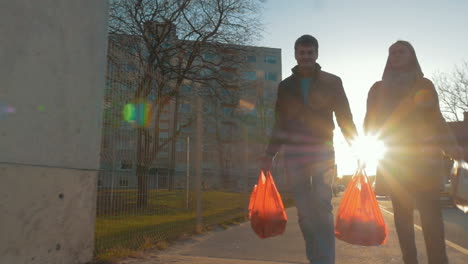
<point x="185" y="199"/>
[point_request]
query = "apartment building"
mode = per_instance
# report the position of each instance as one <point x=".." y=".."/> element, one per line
<point x="233" y="141"/>
<point x="237" y="117"/>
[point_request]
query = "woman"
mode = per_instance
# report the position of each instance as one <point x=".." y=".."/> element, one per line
<point x="403" y="111"/>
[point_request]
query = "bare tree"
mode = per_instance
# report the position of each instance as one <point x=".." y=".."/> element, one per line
<point x="167" y="40"/>
<point x="453" y="92"/>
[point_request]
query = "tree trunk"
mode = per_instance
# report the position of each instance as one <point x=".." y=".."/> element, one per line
<point x="142" y="195"/>
<point x="226" y="178"/>
<point x="222" y="163"/>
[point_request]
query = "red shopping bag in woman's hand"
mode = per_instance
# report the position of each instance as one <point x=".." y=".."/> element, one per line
<point x="266" y="209"/>
<point x="359" y="220"/>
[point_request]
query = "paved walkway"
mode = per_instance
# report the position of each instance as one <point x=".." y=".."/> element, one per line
<point x="239" y="244"/>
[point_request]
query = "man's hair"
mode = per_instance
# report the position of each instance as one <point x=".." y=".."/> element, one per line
<point x="306" y="40"/>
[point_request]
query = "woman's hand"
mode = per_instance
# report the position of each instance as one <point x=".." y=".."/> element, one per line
<point x="455" y="153"/>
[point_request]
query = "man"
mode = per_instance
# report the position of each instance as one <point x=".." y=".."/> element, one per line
<point x="304" y="128"/>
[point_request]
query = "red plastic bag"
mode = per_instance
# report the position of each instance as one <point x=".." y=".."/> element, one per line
<point x="266" y="209"/>
<point x="359" y="220"/>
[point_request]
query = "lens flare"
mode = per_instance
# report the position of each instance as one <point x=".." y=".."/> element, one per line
<point x="140" y="113"/>
<point x="129" y="113"/>
<point x="246" y="104"/>
<point x="6" y="110"/>
<point x="369" y="149"/>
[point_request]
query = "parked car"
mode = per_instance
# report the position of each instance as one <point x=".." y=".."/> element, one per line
<point x="337" y="188"/>
<point x="446" y="198"/>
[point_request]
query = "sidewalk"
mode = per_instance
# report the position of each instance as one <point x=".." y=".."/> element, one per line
<point x="239" y="244"/>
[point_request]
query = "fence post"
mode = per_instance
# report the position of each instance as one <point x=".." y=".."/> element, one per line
<point x="187" y="179"/>
<point x="198" y="162"/>
<point x="245" y="159"/>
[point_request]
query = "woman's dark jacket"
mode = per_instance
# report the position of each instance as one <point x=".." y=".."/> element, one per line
<point x="415" y="133"/>
<point x="410" y="120"/>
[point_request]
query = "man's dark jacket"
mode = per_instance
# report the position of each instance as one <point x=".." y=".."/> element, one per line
<point x="299" y="123"/>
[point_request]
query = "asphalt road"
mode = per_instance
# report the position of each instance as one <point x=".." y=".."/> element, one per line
<point x="455" y="221"/>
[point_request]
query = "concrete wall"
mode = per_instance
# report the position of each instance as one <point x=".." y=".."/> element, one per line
<point x="47" y="215"/>
<point x="52" y="77"/>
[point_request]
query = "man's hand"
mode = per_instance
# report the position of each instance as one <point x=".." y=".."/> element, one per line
<point x="361" y="163"/>
<point x="266" y="162"/>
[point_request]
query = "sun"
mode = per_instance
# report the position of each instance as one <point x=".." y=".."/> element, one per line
<point x="367" y="149"/>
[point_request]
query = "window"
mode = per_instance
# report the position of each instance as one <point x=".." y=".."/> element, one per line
<point x="227" y="95"/>
<point x="207" y="108"/>
<point x="228" y="75"/>
<point x="204" y="91"/>
<point x="226" y="131"/>
<point x="111" y="67"/>
<point x="164" y="125"/>
<point x="271" y="76"/>
<point x="185" y="128"/>
<point x="166" y="45"/>
<point x="125" y="144"/>
<point x="209" y="156"/>
<point x="186" y="89"/>
<point x="206" y="72"/>
<point x="249" y="76"/>
<point x="208" y="56"/>
<point x="228" y="163"/>
<point x="270" y="59"/>
<point x="164" y="116"/>
<point x="251" y="58"/>
<point x="163" y="136"/>
<point x="126" y="165"/>
<point x="227" y="111"/>
<point x="181" y="145"/>
<point x="208" y="147"/>
<point x="123" y="182"/>
<point x="187" y="54"/>
<point x="125" y="86"/>
<point x="131" y="68"/>
<point x="210" y="128"/>
<point x="185" y="108"/>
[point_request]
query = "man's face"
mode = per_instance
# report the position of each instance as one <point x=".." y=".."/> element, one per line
<point x="306" y="56"/>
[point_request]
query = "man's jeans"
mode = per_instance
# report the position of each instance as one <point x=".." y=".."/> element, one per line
<point x="310" y="181"/>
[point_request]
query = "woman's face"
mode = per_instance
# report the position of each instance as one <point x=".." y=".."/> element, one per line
<point x="399" y="56"/>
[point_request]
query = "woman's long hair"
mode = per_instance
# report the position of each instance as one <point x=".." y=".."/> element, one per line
<point x="398" y="82"/>
<point x="412" y="68"/>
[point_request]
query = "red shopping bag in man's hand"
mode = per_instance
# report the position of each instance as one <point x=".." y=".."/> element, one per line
<point x="359" y="220"/>
<point x="266" y="209"/>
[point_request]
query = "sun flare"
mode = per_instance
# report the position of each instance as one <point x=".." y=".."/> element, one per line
<point x="369" y="149"/>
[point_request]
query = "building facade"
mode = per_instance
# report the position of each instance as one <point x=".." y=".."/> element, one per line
<point x="237" y="117"/>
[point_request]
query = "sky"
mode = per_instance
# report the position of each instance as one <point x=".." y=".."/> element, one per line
<point x="354" y="36"/>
